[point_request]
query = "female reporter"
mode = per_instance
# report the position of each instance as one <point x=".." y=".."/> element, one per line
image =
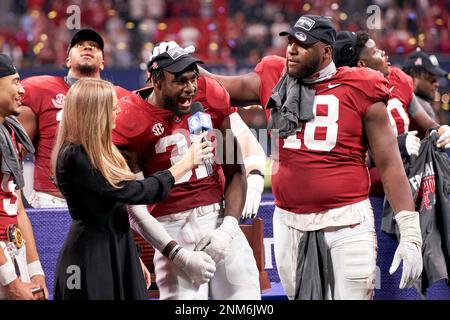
<point x="99" y="259"/>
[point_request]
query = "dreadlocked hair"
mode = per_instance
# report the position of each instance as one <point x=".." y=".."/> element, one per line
<point x="157" y="75"/>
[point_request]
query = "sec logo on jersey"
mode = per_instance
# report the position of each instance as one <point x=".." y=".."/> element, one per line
<point x="158" y="129"/>
<point x="58" y="101"/>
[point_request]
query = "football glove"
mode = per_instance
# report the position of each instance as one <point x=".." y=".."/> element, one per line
<point x="409" y="249"/>
<point x="255" y="187"/>
<point x="408" y="144"/>
<point x="217" y="243"/>
<point x="444" y="137"/>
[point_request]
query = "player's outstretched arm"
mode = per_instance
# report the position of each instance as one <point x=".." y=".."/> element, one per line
<point x="243" y="89"/>
<point x="197" y="265"/>
<point x="387" y="159"/>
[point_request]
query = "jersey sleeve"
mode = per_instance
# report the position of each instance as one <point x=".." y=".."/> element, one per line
<point x="30" y="98"/>
<point x="121" y="92"/>
<point x="215" y="100"/>
<point x="269" y="70"/>
<point x="374" y="85"/>
<point x="404" y="83"/>
<point x="131" y="124"/>
<point x="271" y="65"/>
<point x="371" y="87"/>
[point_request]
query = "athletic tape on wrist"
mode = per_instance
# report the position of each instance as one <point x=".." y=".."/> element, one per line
<point x="409" y="225"/>
<point x="35" y="269"/>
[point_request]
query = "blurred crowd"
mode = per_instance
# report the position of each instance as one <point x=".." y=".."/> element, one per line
<point x="35" y="32"/>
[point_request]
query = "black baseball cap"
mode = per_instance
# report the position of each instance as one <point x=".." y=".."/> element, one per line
<point x="428" y="62"/>
<point x="173" y="60"/>
<point x="86" y="34"/>
<point x="6" y="66"/>
<point x="345" y="52"/>
<point x="310" y="29"/>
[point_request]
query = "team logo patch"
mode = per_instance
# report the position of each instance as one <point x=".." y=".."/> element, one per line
<point x="418" y="62"/>
<point x="58" y="101"/>
<point x="305" y="23"/>
<point x="434" y="60"/>
<point x="158" y="129"/>
<point x="176" y="52"/>
<point x="300" y="36"/>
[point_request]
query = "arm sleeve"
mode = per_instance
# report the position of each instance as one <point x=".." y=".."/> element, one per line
<point x="252" y="152"/>
<point x="74" y="167"/>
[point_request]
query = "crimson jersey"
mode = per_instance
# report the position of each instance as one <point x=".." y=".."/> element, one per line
<point x="45" y="96"/>
<point x="402" y="89"/>
<point x="322" y="166"/>
<point x="8" y="198"/>
<point x="161" y="138"/>
<point x="270" y="69"/>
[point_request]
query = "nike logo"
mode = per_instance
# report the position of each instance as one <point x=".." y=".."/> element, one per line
<point x="331" y="86"/>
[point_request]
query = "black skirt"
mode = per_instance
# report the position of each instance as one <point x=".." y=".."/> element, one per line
<point x="99" y="264"/>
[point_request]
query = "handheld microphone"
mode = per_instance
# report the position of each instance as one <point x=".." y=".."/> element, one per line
<point x="199" y="122"/>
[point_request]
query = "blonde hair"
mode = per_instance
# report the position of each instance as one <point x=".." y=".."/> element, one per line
<point x="88" y="121"/>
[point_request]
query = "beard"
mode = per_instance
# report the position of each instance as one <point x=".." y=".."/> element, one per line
<point x="307" y="69"/>
<point x="87" y="70"/>
<point x="171" y="104"/>
<point x="424" y="94"/>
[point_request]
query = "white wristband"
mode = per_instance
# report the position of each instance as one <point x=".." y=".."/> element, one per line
<point x="7" y="273"/>
<point x="35" y="269"/>
<point x="409" y="225"/>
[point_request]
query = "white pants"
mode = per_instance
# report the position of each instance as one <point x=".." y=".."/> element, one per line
<point x="44" y="200"/>
<point x="353" y="252"/>
<point x="20" y="255"/>
<point x="236" y="277"/>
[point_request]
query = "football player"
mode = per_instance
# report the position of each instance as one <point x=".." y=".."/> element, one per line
<point x="42" y="109"/>
<point x="253" y="154"/>
<point x="425" y="71"/>
<point x="404" y="109"/>
<point x="20" y="270"/>
<point x="202" y="211"/>
<point x="321" y="181"/>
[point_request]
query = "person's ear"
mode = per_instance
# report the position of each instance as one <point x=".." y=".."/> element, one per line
<point x="360" y="63"/>
<point x="157" y="84"/>
<point x="328" y="50"/>
<point x="68" y="63"/>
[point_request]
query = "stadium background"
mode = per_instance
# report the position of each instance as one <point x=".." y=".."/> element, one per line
<point x="231" y="37"/>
